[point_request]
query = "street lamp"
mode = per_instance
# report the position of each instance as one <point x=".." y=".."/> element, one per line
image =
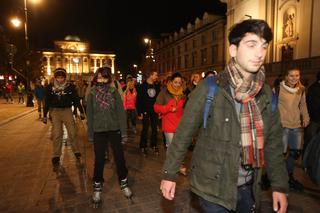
<point x="17" y="23"/>
<point x="147" y="40"/>
<point x="149" y="58"/>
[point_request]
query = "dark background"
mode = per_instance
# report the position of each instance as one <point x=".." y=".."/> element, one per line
<point x="117" y="26"/>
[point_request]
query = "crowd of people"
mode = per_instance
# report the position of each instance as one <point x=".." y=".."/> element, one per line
<point x="249" y="130"/>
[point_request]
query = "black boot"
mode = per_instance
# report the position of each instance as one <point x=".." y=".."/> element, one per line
<point x="55" y="161"/>
<point x="294" y="184"/>
<point x="77" y="155"/>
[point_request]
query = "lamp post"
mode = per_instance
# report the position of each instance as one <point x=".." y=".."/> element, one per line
<point x="16" y="22"/>
<point x="149" y="58"/>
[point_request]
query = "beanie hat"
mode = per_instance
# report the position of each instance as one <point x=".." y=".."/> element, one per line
<point x="60" y="72"/>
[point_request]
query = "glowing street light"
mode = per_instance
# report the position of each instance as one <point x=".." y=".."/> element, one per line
<point x="35" y="1"/>
<point x="16" y="22"/>
<point x="147" y="40"/>
<point x="135" y="66"/>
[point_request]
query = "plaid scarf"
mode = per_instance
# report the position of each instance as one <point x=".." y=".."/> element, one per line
<point x="104" y="96"/>
<point x="250" y="118"/>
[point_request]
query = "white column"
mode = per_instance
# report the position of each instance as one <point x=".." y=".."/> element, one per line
<point x="48" y="66"/>
<point x="112" y="65"/>
<point x="95" y="65"/>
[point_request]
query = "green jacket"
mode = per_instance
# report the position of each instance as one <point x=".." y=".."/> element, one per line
<point x="216" y="157"/>
<point x="103" y="120"/>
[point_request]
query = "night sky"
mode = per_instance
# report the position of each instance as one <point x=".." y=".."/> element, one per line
<point x="118" y="25"/>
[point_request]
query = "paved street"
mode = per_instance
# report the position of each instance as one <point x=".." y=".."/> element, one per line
<point x="29" y="184"/>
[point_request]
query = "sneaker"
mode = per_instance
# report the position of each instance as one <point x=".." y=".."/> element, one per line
<point x="77" y="155"/>
<point x="295" y="185"/>
<point x="55" y="161"/>
<point x="144" y="151"/>
<point x="156" y="150"/>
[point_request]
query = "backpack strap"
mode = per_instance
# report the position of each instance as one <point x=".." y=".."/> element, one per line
<point x="212" y="89"/>
<point x="274" y="101"/>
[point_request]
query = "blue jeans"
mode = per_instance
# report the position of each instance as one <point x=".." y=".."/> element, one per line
<point x="292" y="140"/>
<point x="245" y="202"/>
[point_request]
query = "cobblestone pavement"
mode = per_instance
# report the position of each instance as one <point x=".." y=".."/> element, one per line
<point x="28" y="182"/>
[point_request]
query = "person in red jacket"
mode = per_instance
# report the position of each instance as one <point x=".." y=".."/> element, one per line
<point x="9" y="91"/>
<point x="169" y="105"/>
<point x="129" y="103"/>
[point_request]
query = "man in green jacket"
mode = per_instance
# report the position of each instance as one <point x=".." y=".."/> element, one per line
<point x="242" y="136"/>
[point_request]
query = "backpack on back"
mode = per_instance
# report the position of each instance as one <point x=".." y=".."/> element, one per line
<point x="211" y="83"/>
<point x="212" y="89"/>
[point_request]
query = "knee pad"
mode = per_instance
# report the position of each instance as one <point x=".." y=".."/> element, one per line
<point x="295" y="153"/>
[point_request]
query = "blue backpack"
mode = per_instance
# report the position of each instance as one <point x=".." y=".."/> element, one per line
<point x="212" y="90"/>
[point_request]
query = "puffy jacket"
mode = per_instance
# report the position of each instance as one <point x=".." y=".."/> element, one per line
<point x="129" y="100"/>
<point x="164" y="105"/>
<point x="215" y="163"/>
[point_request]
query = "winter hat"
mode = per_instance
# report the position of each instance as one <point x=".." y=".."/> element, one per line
<point x="60" y="72"/>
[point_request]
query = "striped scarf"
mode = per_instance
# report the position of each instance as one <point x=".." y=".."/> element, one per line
<point x="251" y="122"/>
<point x="104" y="96"/>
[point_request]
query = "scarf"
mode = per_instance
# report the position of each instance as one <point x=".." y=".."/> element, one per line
<point x="59" y="87"/>
<point x="251" y="122"/>
<point x="177" y="93"/>
<point x="290" y="89"/>
<point x="104" y="96"/>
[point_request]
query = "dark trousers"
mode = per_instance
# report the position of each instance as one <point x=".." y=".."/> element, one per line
<point x="131" y="117"/>
<point x="245" y="202"/>
<point x="309" y="132"/>
<point x="149" y="119"/>
<point x="21" y="98"/>
<point x="101" y="140"/>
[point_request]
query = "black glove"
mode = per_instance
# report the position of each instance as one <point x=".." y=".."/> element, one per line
<point x="82" y="116"/>
<point x="44" y="120"/>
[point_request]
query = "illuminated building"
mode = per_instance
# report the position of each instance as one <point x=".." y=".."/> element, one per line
<point x="74" y="55"/>
<point x="194" y="49"/>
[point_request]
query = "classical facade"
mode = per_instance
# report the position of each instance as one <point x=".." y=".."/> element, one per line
<point x="74" y="55"/>
<point x="194" y="49"/>
<point x="296" y="40"/>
